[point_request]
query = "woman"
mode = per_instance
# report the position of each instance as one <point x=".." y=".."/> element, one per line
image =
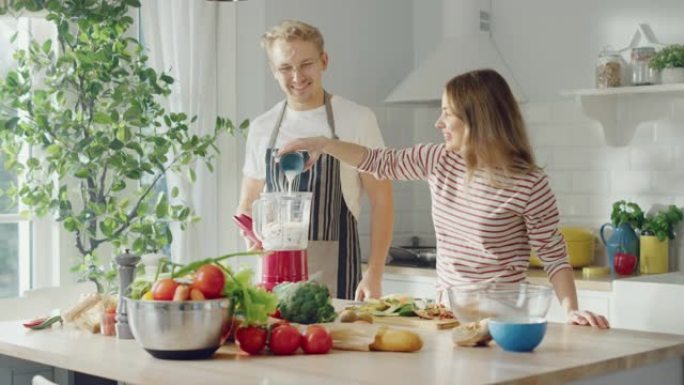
<point x="490" y="201"/>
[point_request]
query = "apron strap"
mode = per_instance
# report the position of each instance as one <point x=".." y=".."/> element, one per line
<point x="329" y="113"/>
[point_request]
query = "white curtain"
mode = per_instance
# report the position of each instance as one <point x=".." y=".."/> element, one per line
<point x="181" y="36"/>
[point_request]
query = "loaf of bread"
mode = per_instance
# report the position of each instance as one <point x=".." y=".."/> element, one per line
<point x="396" y="340"/>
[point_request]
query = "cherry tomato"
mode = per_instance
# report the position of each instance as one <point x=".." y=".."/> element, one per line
<point x="316" y="340"/>
<point x="163" y="289"/>
<point x="252" y="339"/>
<point x="285" y="340"/>
<point x="209" y="279"/>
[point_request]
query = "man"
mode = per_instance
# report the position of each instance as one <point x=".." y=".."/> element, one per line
<point x="297" y="59"/>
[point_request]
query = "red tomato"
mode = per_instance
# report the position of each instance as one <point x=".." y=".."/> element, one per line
<point x="163" y="289"/>
<point x="209" y="279"/>
<point x="252" y="339"/>
<point x="316" y="340"/>
<point x="285" y="340"/>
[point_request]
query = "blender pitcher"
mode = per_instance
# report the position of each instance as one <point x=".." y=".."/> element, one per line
<point x="281" y="223"/>
<point x="281" y="220"/>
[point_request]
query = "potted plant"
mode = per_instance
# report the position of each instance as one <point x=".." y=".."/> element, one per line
<point x="88" y="108"/>
<point x="625" y="218"/>
<point x="670" y="62"/>
<point x="656" y="232"/>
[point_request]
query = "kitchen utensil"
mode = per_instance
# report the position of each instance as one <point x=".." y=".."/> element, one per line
<point x="418" y="322"/>
<point x="277" y="266"/>
<point x="654" y="255"/>
<point x="622" y="240"/>
<point x="281" y="220"/>
<point x="244" y="222"/>
<point x="293" y="161"/>
<point x="477" y="301"/>
<point x="518" y="334"/>
<point x="180" y="330"/>
<point x="580" y="243"/>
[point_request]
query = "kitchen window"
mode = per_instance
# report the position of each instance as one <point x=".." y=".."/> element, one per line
<point x="24" y="242"/>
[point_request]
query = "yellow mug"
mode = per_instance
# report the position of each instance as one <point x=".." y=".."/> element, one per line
<point x="653" y="255"/>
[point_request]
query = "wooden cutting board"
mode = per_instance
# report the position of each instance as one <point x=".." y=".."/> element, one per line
<point x="416" y="322"/>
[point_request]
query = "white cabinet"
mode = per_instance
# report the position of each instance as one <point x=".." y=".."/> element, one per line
<point x="650" y="303"/>
<point x="595" y="301"/>
<point x="621" y="109"/>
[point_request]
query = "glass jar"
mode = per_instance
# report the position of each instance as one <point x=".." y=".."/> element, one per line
<point x="609" y="66"/>
<point x="642" y="73"/>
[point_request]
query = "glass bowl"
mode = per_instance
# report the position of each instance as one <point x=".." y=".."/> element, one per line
<point x="478" y="301"/>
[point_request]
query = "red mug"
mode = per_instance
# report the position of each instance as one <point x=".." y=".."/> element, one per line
<point x="625" y="263"/>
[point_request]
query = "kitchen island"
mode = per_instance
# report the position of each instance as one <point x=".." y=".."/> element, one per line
<point x="568" y="353"/>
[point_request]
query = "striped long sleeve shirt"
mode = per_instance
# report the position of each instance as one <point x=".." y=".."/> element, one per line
<point x="483" y="233"/>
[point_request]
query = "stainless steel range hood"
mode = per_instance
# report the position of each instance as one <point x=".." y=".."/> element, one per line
<point x="466" y="45"/>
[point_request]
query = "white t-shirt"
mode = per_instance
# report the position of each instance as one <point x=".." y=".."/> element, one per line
<point x="353" y="123"/>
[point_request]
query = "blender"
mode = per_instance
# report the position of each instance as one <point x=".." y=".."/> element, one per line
<point x="281" y="224"/>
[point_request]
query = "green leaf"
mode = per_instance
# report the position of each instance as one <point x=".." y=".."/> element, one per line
<point x="162" y="208"/>
<point x="102" y="118"/>
<point x="82" y="173"/>
<point x="174" y="192"/>
<point x="118" y="185"/>
<point x="33" y="163"/>
<point x="53" y="150"/>
<point x="47" y="46"/>
<point x="192" y="175"/>
<point x="116" y="144"/>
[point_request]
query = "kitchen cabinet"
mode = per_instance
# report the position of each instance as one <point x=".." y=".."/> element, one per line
<point x="595" y="301"/>
<point x="620" y="110"/>
<point x="650" y="303"/>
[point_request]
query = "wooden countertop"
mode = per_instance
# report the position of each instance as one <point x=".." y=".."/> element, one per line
<point x="567" y="353"/>
<point x="537" y="276"/>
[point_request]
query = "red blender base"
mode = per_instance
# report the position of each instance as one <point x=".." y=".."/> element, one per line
<point x="284" y="266"/>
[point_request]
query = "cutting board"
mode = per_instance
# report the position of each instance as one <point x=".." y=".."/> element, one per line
<point x="416" y="322"/>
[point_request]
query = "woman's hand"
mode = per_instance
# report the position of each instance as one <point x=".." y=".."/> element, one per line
<point x="315" y="146"/>
<point x="585" y="317"/>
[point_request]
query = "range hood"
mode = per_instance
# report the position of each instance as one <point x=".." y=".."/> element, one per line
<point x="466" y="45"/>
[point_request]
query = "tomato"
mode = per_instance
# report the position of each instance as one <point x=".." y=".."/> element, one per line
<point x="209" y="279"/>
<point x="163" y="289"/>
<point x="252" y="339"/>
<point x="316" y="340"/>
<point x="285" y="340"/>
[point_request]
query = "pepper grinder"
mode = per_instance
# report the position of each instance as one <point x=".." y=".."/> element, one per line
<point x="126" y="262"/>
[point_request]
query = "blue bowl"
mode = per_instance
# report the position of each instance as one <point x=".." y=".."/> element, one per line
<point x="519" y="334"/>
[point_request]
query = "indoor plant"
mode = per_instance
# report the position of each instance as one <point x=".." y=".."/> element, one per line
<point x="88" y="109"/>
<point x="670" y="62"/>
<point x="656" y="232"/>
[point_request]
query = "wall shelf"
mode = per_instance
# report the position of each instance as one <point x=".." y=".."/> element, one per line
<point x="621" y="109"/>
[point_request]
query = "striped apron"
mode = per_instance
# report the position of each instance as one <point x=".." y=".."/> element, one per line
<point x="333" y="252"/>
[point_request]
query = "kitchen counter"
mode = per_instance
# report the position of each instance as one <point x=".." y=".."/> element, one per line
<point x="534" y="275"/>
<point x="567" y="353"/>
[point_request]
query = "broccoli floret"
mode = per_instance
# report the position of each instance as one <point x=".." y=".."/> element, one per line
<point x="304" y="302"/>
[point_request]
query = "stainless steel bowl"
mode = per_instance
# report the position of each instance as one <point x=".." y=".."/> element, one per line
<point x="180" y="330"/>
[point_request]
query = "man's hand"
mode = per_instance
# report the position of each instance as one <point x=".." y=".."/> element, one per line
<point x="369" y="287"/>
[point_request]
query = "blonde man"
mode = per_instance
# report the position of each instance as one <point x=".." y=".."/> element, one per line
<point x="298" y="59"/>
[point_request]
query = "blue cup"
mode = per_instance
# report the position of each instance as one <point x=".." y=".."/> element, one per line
<point x="293" y="161"/>
<point x="518" y="334"/>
